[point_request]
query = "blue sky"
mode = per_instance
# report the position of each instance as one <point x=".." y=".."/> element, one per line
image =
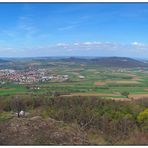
<point x="76" y="29"/>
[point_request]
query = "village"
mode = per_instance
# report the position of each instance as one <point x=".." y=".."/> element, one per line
<point x="29" y="77"/>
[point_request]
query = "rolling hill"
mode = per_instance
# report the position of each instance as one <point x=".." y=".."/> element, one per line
<point x="3" y="61"/>
<point x="118" y="62"/>
<point x="122" y="62"/>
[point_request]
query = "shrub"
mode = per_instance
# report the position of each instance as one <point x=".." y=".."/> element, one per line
<point x="142" y="119"/>
<point x="125" y="93"/>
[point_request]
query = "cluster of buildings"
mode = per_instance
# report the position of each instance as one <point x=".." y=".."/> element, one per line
<point x="31" y="76"/>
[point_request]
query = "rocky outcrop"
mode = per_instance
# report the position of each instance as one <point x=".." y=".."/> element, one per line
<point x="39" y="131"/>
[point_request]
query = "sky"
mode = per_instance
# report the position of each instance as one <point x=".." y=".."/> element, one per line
<point x="74" y="29"/>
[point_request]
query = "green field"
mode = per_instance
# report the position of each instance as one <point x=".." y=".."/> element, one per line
<point x="115" y="81"/>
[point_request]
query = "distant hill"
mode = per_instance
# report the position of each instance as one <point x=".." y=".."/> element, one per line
<point x="122" y="62"/>
<point x="119" y="62"/>
<point x="3" y="61"/>
<point x="74" y="59"/>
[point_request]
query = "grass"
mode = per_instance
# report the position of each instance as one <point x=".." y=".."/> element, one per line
<point x="5" y="116"/>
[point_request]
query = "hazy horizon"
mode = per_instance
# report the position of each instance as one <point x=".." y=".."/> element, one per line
<point x="81" y="57"/>
<point x="73" y="30"/>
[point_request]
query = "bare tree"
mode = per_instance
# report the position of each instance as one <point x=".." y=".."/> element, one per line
<point x="17" y="105"/>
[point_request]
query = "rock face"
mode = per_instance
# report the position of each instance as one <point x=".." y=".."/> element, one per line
<point x="39" y="131"/>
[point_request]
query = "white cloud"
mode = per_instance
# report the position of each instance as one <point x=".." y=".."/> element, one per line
<point x="137" y="44"/>
<point x="84" y="48"/>
<point x="62" y="44"/>
<point x="134" y="43"/>
<point x="104" y="47"/>
<point x="140" y="47"/>
<point x="88" y="43"/>
<point x="76" y="44"/>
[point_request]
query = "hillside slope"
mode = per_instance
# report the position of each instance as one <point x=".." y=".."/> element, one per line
<point x="3" y="61"/>
<point x="123" y="62"/>
<point x="118" y="62"/>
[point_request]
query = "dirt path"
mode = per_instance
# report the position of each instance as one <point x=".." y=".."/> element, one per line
<point x="123" y="82"/>
<point x="138" y="96"/>
<point x="134" y="96"/>
<point x="88" y="94"/>
<point x="116" y="82"/>
<point x="7" y="89"/>
<point x="97" y="95"/>
<point x="100" y="83"/>
<point x="121" y="99"/>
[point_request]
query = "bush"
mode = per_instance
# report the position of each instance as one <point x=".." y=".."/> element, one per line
<point x="143" y="119"/>
<point x="125" y="93"/>
<point x="5" y="115"/>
